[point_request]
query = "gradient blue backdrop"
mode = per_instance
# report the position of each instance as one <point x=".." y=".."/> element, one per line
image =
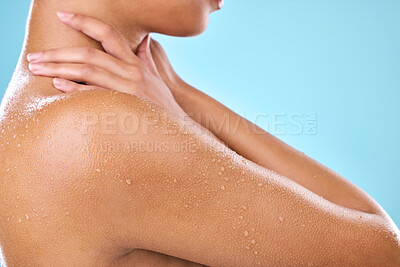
<point x="339" y="59"/>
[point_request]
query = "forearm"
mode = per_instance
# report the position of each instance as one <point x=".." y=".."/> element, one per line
<point x="264" y="149"/>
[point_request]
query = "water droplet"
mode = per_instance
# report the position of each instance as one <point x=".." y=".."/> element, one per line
<point x="27" y="217"/>
<point x="128" y="181"/>
<point x="280" y="219"/>
<point x="175" y="180"/>
<point x="219" y="173"/>
<point x="244" y="208"/>
<point x="255" y="252"/>
<point x="223" y="187"/>
<point x="253" y="242"/>
<point x="18" y="145"/>
<point x="19" y="220"/>
<point x="241" y="217"/>
<point x="246" y="233"/>
<point x="242" y="180"/>
<point x="18" y="197"/>
<point x="97" y="170"/>
<point x="185" y="158"/>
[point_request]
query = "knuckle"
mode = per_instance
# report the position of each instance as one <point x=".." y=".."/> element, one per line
<point x="133" y="69"/>
<point x="108" y="31"/>
<point x="48" y="54"/>
<point x="50" y="67"/>
<point x="88" y="53"/>
<point x="88" y="71"/>
<point x="140" y="75"/>
<point x="137" y="74"/>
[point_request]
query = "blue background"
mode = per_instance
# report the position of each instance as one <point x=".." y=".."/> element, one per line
<point x="338" y="59"/>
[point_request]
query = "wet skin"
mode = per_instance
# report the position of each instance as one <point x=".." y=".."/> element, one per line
<point x="82" y="185"/>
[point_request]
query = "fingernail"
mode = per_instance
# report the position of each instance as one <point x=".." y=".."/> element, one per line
<point x="64" y="15"/>
<point x="32" y="57"/>
<point x="35" y="67"/>
<point x="148" y="40"/>
<point x="58" y="83"/>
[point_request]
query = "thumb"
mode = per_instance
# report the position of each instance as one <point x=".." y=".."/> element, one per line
<point x="144" y="54"/>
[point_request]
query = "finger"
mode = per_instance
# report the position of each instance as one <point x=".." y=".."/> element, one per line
<point x="86" y="55"/>
<point x="159" y="56"/>
<point x="69" y="86"/>
<point x="89" y="74"/>
<point x="144" y="54"/>
<point x="112" y="41"/>
<point x="157" y="51"/>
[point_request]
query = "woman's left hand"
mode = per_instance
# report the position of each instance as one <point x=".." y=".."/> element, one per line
<point x="118" y="68"/>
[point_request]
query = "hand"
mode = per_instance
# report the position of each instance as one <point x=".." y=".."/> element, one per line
<point x="116" y="69"/>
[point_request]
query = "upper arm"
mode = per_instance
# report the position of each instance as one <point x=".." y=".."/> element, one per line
<point x="153" y="182"/>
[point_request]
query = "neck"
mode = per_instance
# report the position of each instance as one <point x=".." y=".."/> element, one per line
<point x="45" y="31"/>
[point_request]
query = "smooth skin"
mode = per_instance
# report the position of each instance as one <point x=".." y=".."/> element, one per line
<point x="79" y="189"/>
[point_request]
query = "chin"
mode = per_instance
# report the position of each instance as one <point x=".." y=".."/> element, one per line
<point x="184" y="28"/>
<point x="191" y="28"/>
<point x="185" y="19"/>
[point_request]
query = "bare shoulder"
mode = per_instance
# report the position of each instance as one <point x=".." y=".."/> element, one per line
<point x="68" y="165"/>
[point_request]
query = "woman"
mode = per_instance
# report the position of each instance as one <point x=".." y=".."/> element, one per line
<point x="108" y="158"/>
